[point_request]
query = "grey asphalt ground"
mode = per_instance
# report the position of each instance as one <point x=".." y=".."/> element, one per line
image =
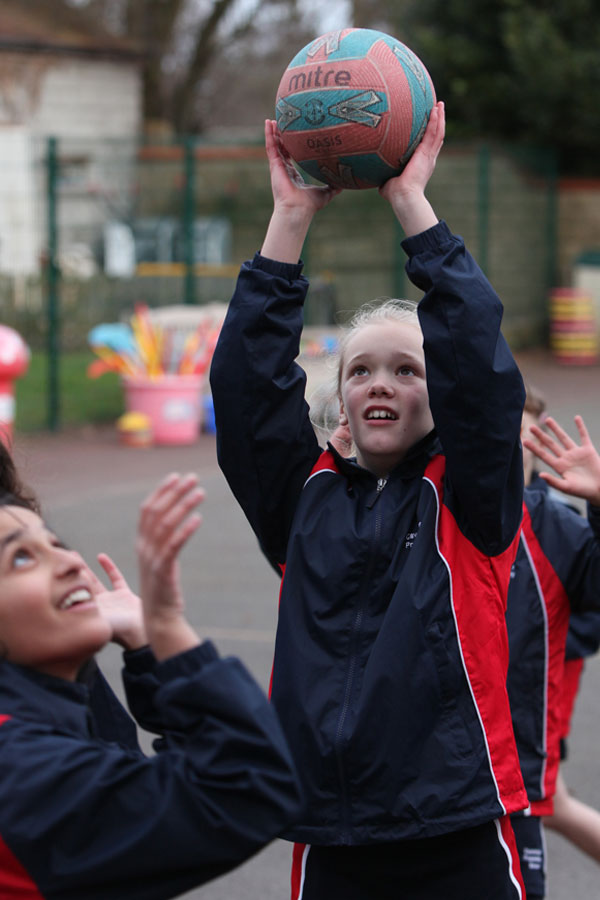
<point x="91" y="486"/>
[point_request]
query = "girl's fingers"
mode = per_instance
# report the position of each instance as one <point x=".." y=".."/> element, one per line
<point x="583" y="432"/>
<point x="99" y="588"/>
<point x="167" y="524"/>
<point x="117" y="579"/>
<point x="433" y="138"/>
<point x="171" y="487"/>
<point x="544" y="440"/>
<point x="166" y="510"/>
<point x="437" y="130"/>
<point x="270" y="139"/>
<point x="166" y="496"/>
<point x="159" y="494"/>
<point x="567" y="442"/>
<point x="179" y="538"/>
<point x="552" y="480"/>
<point x="186" y="498"/>
<point x="539" y="451"/>
<point x="276" y="152"/>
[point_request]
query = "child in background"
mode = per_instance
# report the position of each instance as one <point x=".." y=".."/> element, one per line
<point x="556" y="576"/>
<point x="83" y="815"/>
<point x="571" y="818"/>
<point x="391" y="653"/>
<point x="565" y="557"/>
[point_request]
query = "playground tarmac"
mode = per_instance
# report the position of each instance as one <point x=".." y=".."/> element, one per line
<point x="90" y="487"/>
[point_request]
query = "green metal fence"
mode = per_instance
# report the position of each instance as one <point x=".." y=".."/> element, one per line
<point x="119" y="223"/>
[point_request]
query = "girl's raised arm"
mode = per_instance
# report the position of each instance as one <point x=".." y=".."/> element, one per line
<point x="167" y="521"/>
<point x="406" y="192"/>
<point x="294" y="202"/>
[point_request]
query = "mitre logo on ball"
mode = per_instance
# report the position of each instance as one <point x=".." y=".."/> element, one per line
<point x="352" y="106"/>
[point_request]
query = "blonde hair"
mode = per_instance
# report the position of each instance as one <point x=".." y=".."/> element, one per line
<point x="535" y="402"/>
<point x="324" y="413"/>
<point x="380" y="310"/>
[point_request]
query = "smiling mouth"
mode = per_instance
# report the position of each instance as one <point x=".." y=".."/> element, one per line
<point x="75" y="598"/>
<point x="381" y="414"/>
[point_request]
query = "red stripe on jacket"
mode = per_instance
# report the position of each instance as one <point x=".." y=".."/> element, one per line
<point x="14" y="880"/>
<point x="297" y="873"/>
<point x="325" y="463"/>
<point x="483" y="642"/>
<point x="557" y="607"/>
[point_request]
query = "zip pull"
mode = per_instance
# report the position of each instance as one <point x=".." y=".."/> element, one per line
<point x="381" y="483"/>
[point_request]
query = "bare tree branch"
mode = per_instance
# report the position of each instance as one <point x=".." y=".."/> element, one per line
<point x="171" y="96"/>
<point x="151" y="23"/>
<point x="183" y="99"/>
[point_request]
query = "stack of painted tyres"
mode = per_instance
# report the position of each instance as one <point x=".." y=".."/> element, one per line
<point x="573" y="327"/>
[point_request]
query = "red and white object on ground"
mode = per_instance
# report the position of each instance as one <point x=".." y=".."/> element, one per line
<point x="14" y="361"/>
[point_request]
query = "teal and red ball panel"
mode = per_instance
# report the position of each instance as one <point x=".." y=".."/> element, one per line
<point x="352" y="106"/>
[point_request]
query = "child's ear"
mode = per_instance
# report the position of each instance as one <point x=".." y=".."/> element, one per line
<point x="343" y="416"/>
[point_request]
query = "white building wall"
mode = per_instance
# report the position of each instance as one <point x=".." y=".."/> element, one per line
<point x="84" y="98"/>
<point x="19" y="219"/>
<point x="94" y="109"/>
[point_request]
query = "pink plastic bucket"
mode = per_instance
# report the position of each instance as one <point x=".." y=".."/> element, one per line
<point x="172" y="402"/>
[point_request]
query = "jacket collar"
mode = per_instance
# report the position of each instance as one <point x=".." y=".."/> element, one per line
<point x="34" y="696"/>
<point x="537" y="484"/>
<point x="413" y="464"/>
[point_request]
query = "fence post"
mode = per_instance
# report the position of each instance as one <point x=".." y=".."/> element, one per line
<point x="399" y="261"/>
<point x="483" y="207"/>
<point x="189" y="204"/>
<point x="552" y="221"/>
<point x="52" y="288"/>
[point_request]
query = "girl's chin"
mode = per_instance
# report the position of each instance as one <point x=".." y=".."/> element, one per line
<point x="380" y="461"/>
<point x="94" y="641"/>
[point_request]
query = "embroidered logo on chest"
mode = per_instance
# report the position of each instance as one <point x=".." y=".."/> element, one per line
<point x="410" y="537"/>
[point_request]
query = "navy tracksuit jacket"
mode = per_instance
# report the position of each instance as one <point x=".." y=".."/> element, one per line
<point x="556" y="578"/>
<point x="89" y="816"/>
<point x="391" y="653"/>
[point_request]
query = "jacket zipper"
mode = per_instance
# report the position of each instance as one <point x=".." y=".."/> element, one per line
<point x="381" y="483"/>
<point x="352" y="666"/>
